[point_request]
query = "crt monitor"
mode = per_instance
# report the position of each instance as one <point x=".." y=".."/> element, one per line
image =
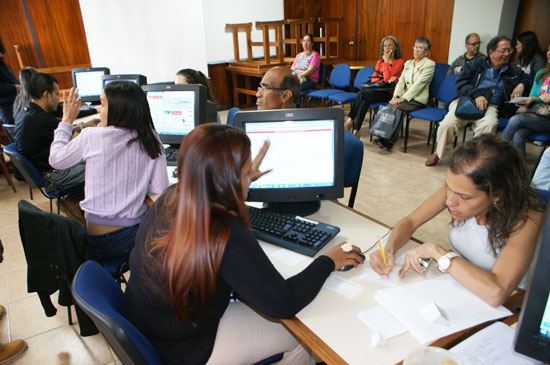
<point x="89" y="82"/>
<point x="176" y="110"/>
<point x="136" y="79"/>
<point x="306" y="155"/>
<point x="533" y="332"/>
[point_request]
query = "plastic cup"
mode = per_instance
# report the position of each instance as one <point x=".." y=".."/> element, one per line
<point x="431" y="356"/>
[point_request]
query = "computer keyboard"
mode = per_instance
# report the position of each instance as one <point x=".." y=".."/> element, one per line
<point x="171" y="156"/>
<point x="292" y="232"/>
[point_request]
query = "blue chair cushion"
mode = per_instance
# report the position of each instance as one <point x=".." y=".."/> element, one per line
<point x="429" y="113"/>
<point x="502" y="123"/>
<point x="353" y="158"/>
<point x="323" y="94"/>
<point x="343" y="97"/>
<point x="540" y="137"/>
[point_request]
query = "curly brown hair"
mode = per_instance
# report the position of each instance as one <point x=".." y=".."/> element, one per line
<point x="496" y="167"/>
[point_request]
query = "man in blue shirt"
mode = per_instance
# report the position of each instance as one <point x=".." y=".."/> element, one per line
<point x="491" y="81"/>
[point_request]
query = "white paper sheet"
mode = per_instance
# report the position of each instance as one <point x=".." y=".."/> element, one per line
<point x="379" y="320"/>
<point x="288" y="257"/>
<point x="372" y="276"/>
<point x="492" y="345"/>
<point x="462" y="308"/>
<point x="342" y="286"/>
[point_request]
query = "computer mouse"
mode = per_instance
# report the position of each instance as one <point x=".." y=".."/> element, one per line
<point x="349" y="267"/>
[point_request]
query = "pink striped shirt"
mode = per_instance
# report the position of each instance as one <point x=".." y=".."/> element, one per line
<point x="118" y="177"/>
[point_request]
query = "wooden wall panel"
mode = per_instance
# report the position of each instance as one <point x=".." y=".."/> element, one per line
<point x="533" y="15"/>
<point x="299" y="9"/>
<point x="14" y="29"/>
<point x="439" y="17"/>
<point x="59" y="31"/>
<point x="373" y="21"/>
<point x="406" y="22"/>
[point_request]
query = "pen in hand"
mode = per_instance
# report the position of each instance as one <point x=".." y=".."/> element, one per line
<point x="382" y="253"/>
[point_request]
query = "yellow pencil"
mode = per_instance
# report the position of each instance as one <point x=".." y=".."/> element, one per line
<point x="382" y="253"/>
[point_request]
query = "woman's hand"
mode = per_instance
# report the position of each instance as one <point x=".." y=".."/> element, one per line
<point x="342" y="258"/>
<point x="528" y="101"/>
<point x="395" y="100"/>
<point x="544" y="97"/>
<point x="377" y="263"/>
<point x="71" y="106"/>
<point x="387" y="56"/>
<point x="392" y="79"/>
<point x="424" y="251"/>
<point x="255" y="172"/>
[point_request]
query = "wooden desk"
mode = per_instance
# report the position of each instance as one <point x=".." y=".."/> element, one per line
<point x="357" y="65"/>
<point x="329" y="325"/>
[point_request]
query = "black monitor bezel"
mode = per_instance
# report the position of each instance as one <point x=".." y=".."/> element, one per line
<point x="141" y="79"/>
<point x="291" y="195"/>
<point x="74" y="71"/>
<point x="200" y="106"/>
<point x="528" y="340"/>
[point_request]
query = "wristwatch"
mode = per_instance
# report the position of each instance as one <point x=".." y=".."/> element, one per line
<point x="444" y="262"/>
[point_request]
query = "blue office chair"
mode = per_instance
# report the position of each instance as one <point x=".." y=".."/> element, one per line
<point x="304" y="99"/>
<point x="339" y="79"/>
<point x="33" y="177"/>
<point x="99" y="296"/>
<point x="362" y="76"/>
<point x="231" y="115"/>
<point x="440" y="72"/>
<point x="353" y="162"/>
<point x="445" y="94"/>
<point x="543" y="195"/>
<point x="9" y="130"/>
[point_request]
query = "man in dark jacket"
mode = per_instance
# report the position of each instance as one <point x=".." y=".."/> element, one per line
<point x="491" y="82"/>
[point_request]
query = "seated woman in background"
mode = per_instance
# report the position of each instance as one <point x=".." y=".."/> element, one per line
<point x="412" y="90"/>
<point x="530" y="57"/>
<point x="496" y="217"/>
<point x="534" y="115"/>
<point x="194" y="247"/>
<point x="188" y="76"/>
<point x="23" y="97"/>
<point x="124" y="162"/>
<point x="307" y="63"/>
<point x="388" y="69"/>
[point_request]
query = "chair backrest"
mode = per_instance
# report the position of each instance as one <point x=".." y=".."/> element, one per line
<point x="231" y="115"/>
<point x="100" y="297"/>
<point x="363" y="76"/>
<point x="544" y="195"/>
<point x="340" y="76"/>
<point x="439" y="74"/>
<point x="9" y="129"/>
<point x="447" y="90"/>
<point x="322" y="74"/>
<point x="353" y="162"/>
<point x="24" y="166"/>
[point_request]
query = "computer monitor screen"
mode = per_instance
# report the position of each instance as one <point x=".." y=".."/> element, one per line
<point x="533" y="332"/>
<point x="89" y="82"/>
<point x="176" y="109"/>
<point x="306" y="155"/>
<point x="136" y="79"/>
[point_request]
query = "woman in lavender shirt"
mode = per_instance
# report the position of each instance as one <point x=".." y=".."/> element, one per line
<point x="124" y="162"/>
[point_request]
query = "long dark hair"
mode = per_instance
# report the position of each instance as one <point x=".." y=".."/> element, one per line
<point x="128" y="108"/>
<point x="23" y="97"/>
<point x="197" y="77"/>
<point x="530" y="48"/>
<point x="496" y="167"/>
<point x="397" y="53"/>
<point x="207" y="194"/>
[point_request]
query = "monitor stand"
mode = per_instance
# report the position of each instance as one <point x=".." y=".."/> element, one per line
<point x="299" y="208"/>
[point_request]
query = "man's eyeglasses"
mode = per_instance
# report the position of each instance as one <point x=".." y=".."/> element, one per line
<point x="416" y="48"/>
<point x="474" y="43"/>
<point x="506" y="50"/>
<point x="264" y="87"/>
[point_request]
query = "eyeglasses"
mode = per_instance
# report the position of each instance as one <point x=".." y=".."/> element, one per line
<point x="416" y="48"/>
<point x="474" y="43"/>
<point x="264" y="87"/>
<point x="506" y="50"/>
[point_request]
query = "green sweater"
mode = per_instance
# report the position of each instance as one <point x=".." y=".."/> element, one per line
<point x="537" y="84"/>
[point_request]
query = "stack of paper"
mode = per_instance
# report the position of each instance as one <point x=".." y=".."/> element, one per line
<point x="434" y="308"/>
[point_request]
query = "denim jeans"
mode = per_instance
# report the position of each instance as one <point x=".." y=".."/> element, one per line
<point x="116" y="244"/>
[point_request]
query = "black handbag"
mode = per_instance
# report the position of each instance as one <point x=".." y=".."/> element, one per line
<point x="466" y="108"/>
<point x="387" y="123"/>
<point x="382" y="86"/>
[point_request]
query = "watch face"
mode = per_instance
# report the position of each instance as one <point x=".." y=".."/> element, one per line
<point x="443" y="263"/>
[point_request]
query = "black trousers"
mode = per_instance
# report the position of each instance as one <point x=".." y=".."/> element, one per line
<point x="361" y="104"/>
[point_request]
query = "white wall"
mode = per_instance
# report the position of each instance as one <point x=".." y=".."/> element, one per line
<point x="488" y="18"/>
<point x="158" y="37"/>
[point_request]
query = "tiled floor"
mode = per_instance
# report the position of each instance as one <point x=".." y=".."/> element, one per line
<point x="392" y="184"/>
